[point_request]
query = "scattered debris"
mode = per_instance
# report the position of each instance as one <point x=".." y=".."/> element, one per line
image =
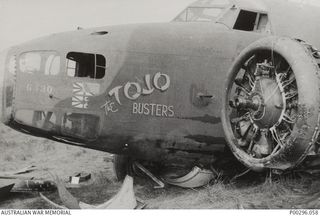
<point x="16" y="174"/>
<point x="140" y="203"/>
<point x="23" y="170"/>
<point x="196" y="178"/>
<point x="15" y="177"/>
<point x="148" y="173"/>
<point x="241" y="174"/>
<point x="34" y="185"/>
<point x="70" y="185"/>
<point x="5" y="190"/>
<point x="51" y="203"/>
<point x="124" y="199"/>
<point x="79" y="177"/>
<point x="66" y="197"/>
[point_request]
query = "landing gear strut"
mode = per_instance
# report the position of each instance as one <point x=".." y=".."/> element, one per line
<point x="121" y="166"/>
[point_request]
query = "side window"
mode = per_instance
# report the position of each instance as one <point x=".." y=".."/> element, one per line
<point x="100" y="67"/>
<point x="40" y="62"/>
<point x="252" y="21"/>
<point x="203" y="14"/>
<point x="246" y="21"/>
<point x="199" y="14"/>
<point x="52" y="65"/>
<point x="86" y="65"/>
<point x="30" y="62"/>
<point x="71" y="67"/>
<point x="263" y="23"/>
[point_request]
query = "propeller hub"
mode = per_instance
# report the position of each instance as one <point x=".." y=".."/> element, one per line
<point x="267" y="95"/>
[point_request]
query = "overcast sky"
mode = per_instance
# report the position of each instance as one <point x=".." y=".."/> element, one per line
<point x="22" y="20"/>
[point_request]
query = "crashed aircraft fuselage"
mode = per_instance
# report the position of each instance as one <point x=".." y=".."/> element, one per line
<point x="150" y="91"/>
<point x="156" y="94"/>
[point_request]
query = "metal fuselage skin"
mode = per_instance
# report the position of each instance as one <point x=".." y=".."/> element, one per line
<point x="180" y="69"/>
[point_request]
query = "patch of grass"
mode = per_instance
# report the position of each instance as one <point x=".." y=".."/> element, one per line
<point x="79" y="152"/>
<point x="101" y="178"/>
<point x="221" y="192"/>
<point x="98" y="191"/>
<point x="276" y="193"/>
<point x="49" y="147"/>
<point x="107" y="159"/>
<point x="4" y="143"/>
<point x="8" y="158"/>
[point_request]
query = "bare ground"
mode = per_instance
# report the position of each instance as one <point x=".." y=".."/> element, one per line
<point x="249" y="192"/>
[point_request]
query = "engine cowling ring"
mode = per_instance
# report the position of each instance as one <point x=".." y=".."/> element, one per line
<point x="302" y="130"/>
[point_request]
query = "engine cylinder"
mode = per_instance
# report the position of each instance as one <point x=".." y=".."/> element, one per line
<point x="279" y="91"/>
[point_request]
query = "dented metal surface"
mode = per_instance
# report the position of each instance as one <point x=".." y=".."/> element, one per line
<point x="197" y="177"/>
<point x="124" y="199"/>
<point x="155" y="91"/>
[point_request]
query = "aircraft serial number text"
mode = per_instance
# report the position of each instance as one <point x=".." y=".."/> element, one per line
<point x="41" y="88"/>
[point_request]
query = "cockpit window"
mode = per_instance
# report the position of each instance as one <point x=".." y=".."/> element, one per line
<point x="52" y="66"/>
<point x="203" y="11"/>
<point x="30" y="62"/>
<point x="44" y="62"/>
<point x="182" y="17"/>
<point x="202" y="14"/>
<point x="199" y="14"/>
<point x="252" y="21"/>
<point x="86" y="65"/>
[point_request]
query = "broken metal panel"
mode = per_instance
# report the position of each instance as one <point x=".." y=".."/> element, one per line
<point x="148" y="173"/>
<point x="124" y="199"/>
<point x="5" y="190"/>
<point x="79" y="177"/>
<point x="34" y="185"/>
<point x="197" y="177"/>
